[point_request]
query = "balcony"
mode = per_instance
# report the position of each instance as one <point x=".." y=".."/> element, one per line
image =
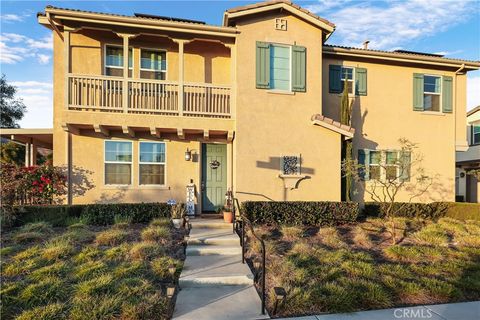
<point x="141" y="96"/>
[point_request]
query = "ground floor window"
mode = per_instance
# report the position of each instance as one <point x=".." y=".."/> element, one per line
<point x="384" y="165"/>
<point x="152" y="163"/>
<point x="118" y="162"/>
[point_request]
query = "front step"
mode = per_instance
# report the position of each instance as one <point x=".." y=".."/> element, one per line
<point x="213" y="236"/>
<point x="215" y="270"/>
<point x="202" y="250"/>
<point x="210" y="224"/>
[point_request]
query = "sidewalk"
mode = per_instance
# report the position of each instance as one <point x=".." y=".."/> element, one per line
<point x="451" y="311"/>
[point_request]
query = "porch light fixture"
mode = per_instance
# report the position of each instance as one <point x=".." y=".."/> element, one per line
<point x="188" y="155"/>
<point x="280" y="295"/>
<point x="170" y="290"/>
<point x="172" y="269"/>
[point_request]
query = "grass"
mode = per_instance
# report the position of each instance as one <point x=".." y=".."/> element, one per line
<point x="86" y="272"/>
<point x="356" y="267"/>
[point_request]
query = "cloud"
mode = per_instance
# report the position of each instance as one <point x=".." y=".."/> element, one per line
<point x="16" y="47"/>
<point x="391" y="24"/>
<point x="10" y="17"/>
<point x="473" y="91"/>
<point x="449" y="53"/>
<point x="37" y="96"/>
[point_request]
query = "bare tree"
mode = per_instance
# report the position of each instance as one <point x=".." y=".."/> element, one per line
<point x="390" y="173"/>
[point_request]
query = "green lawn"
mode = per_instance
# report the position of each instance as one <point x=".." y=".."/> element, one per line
<point x="87" y="272"/>
<point x="356" y="267"/>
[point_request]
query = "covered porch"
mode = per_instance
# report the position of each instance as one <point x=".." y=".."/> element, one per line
<point x="32" y="139"/>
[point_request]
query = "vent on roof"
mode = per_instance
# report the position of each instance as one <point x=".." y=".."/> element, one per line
<point x="420" y="53"/>
<point x="151" y="16"/>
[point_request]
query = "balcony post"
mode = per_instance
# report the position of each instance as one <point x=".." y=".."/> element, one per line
<point x="233" y="78"/>
<point x="181" y="80"/>
<point x="125" y="91"/>
<point x="66" y="57"/>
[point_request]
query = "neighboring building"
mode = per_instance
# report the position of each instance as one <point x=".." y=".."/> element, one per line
<point x="253" y="105"/>
<point x="468" y="185"/>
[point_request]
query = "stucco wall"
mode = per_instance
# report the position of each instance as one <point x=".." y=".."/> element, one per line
<point x="271" y="124"/>
<point x="386" y="114"/>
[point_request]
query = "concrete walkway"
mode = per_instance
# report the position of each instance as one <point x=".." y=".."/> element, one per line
<point x="214" y="283"/>
<point x="451" y="311"/>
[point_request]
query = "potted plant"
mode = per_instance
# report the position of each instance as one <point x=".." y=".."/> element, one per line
<point x="227" y="214"/>
<point x="178" y="212"/>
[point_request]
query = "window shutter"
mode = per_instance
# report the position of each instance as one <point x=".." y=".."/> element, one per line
<point x="263" y="65"/>
<point x="335" y="79"/>
<point x="360" y="81"/>
<point x="417" y="92"/>
<point x="447" y="95"/>
<point x="405" y="163"/>
<point x="364" y="160"/>
<point x="299" y="69"/>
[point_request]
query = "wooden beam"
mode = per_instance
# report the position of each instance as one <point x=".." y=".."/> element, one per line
<point x="101" y="129"/>
<point x="128" y="131"/>
<point x="206" y="134"/>
<point x="156" y="133"/>
<point x="230" y="136"/>
<point x="181" y="134"/>
<point x="69" y="128"/>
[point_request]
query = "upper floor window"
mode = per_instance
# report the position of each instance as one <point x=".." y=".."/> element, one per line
<point x="431" y="93"/>
<point x="152" y="163"/>
<point x="280" y="70"/>
<point x="476" y="134"/>
<point x="280" y="67"/>
<point x="347" y="78"/>
<point x="114" y="61"/>
<point x="118" y="162"/>
<point x="153" y="64"/>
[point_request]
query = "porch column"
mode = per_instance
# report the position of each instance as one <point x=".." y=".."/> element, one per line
<point x="27" y="154"/>
<point x="33" y="153"/>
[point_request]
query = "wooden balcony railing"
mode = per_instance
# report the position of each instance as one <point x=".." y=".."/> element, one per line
<point x="101" y="93"/>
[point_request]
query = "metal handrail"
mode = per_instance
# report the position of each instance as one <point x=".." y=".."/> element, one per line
<point x="245" y="221"/>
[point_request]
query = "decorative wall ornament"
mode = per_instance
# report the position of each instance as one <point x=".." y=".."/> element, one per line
<point x="290" y="165"/>
<point x="190" y="200"/>
<point x="214" y="164"/>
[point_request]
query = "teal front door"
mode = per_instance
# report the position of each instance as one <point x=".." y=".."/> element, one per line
<point x="214" y="176"/>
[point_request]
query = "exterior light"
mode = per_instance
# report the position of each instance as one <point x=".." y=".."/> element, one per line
<point x="188" y="155"/>
<point x="170" y="290"/>
<point x="280" y="295"/>
<point x="172" y="269"/>
<point x="256" y="265"/>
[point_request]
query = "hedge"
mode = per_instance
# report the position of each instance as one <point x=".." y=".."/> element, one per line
<point x="433" y="210"/>
<point x="94" y="214"/>
<point x="300" y="212"/>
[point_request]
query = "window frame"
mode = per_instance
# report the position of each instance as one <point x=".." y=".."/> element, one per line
<point x="290" y="62"/>
<point x="440" y="94"/>
<point x="353" y="80"/>
<point x="140" y="69"/>
<point x="157" y="163"/>
<point x="105" y="45"/>
<point x="474" y="142"/>
<point x="383" y="166"/>
<point x="116" y="162"/>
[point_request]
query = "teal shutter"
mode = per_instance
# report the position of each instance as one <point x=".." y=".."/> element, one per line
<point x="299" y="69"/>
<point x="364" y="161"/>
<point x="417" y="92"/>
<point x="405" y="166"/>
<point x="263" y="65"/>
<point x="447" y="94"/>
<point x="335" y="79"/>
<point x="360" y="81"/>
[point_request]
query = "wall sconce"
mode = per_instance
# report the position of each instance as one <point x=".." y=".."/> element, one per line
<point x="170" y="290"/>
<point x="188" y="155"/>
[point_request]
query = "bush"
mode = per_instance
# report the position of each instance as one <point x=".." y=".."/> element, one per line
<point x="433" y="210"/>
<point x="300" y="212"/>
<point x="94" y="214"/>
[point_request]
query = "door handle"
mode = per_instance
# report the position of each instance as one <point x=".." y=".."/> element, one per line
<point x="202" y="186"/>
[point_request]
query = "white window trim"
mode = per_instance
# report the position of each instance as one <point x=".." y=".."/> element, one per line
<point x="383" y="164"/>
<point x="353" y="80"/>
<point x="290" y="90"/>
<point x="153" y="70"/>
<point x="116" y="162"/>
<point x="105" y="45"/>
<point x="164" y="163"/>
<point x="440" y="109"/>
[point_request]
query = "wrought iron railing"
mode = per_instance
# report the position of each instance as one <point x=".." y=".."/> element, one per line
<point x="240" y="224"/>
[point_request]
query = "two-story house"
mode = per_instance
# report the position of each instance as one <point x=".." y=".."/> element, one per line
<point x="468" y="162"/>
<point x="144" y="105"/>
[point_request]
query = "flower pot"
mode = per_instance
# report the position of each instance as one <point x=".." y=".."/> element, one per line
<point x="177" y="223"/>
<point x="228" y="216"/>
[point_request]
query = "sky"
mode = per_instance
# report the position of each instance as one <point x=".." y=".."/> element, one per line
<point x="451" y="28"/>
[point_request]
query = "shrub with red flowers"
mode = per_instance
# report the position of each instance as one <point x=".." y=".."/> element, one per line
<point x="44" y="184"/>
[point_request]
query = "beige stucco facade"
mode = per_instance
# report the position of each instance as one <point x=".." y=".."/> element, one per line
<point x="215" y="99"/>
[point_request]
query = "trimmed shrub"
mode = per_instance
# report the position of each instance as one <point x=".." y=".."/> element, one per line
<point x="300" y="212"/>
<point x="433" y="210"/>
<point x="94" y="214"/>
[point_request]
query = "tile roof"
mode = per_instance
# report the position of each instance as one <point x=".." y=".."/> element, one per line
<point x="268" y="3"/>
<point x="348" y="130"/>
